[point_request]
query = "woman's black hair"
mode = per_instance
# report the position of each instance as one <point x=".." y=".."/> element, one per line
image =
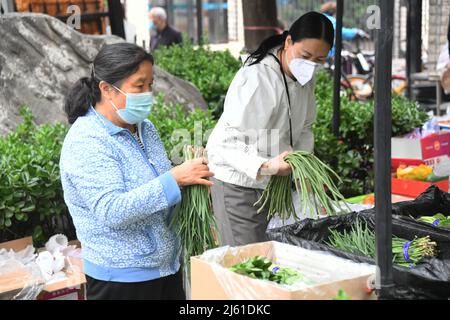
<point x="113" y="64"/>
<point x="311" y="25"/>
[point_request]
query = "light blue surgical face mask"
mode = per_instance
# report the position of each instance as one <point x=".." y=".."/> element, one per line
<point x="152" y="25"/>
<point x="137" y="106"/>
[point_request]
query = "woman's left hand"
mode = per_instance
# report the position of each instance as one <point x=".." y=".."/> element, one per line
<point x="193" y="172"/>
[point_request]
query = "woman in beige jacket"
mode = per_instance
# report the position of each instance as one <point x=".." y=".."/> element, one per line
<point x="269" y="110"/>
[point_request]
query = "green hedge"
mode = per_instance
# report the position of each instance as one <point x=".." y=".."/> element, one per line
<point x="168" y="118"/>
<point x="31" y="199"/>
<point x="210" y="71"/>
<point x="352" y="156"/>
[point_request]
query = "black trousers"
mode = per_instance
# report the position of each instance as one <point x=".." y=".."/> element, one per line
<point x="167" y="288"/>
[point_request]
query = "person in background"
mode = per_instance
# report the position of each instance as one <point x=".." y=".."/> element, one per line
<point x="329" y="10"/>
<point x="161" y="34"/>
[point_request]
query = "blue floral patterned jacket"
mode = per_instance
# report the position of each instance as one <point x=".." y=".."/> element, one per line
<point x="120" y="198"/>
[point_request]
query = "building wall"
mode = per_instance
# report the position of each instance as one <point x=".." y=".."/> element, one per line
<point x="137" y="14"/>
<point x="435" y="18"/>
<point x="235" y="21"/>
<point x="436" y="25"/>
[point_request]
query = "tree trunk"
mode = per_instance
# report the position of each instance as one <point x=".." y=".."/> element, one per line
<point x="261" y="15"/>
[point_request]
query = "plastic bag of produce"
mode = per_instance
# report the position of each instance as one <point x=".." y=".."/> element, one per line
<point x="430" y="203"/>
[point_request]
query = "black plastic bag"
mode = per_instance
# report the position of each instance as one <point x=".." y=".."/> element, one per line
<point x="432" y="201"/>
<point x="429" y="279"/>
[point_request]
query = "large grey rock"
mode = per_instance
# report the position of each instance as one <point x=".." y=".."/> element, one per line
<point x="41" y="57"/>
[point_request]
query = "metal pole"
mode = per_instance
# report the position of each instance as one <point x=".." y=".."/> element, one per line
<point x="383" y="132"/>
<point x="337" y="69"/>
<point x="199" y="6"/>
<point x="116" y="16"/>
<point x="413" y="41"/>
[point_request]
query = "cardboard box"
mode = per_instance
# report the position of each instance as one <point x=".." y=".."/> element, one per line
<point x="211" y="279"/>
<point x="73" y="293"/>
<point x="398" y="198"/>
<point x="435" y="145"/>
<point x="413" y="188"/>
<point x="11" y="284"/>
<point x="72" y="288"/>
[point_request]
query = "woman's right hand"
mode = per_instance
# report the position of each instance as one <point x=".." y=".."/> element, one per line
<point x="193" y="172"/>
<point x="276" y="166"/>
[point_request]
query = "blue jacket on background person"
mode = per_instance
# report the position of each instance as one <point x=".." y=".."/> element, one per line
<point x="347" y="33"/>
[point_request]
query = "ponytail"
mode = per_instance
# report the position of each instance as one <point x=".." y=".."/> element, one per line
<point x="79" y="99"/>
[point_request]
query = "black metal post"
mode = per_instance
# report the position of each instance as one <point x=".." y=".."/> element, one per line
<point x="383" y="133"/>
<point x="413" y="41"/>
<point x="116" y="16"/>
<point x="337" y="69"/>
<point x="199" y="6"/>
<point x="99" y="19"/>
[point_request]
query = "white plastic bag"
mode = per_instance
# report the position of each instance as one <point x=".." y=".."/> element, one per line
<point x="19" y="270"/>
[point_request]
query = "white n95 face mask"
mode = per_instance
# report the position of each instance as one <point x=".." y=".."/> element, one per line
<point x="303" y="70"/>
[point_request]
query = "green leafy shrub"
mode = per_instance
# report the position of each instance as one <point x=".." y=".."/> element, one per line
<point x="31" y="198"/>
<point x="168" y="118"/>
<point x="210" y="71"/>
<point x="352" y="156"/>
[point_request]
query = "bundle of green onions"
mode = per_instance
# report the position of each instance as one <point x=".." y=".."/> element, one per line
<point x="437" y="220"/>
<point x="193" y="217"/>
<point x="361" y="240"/>
<point x="311" y="177"/>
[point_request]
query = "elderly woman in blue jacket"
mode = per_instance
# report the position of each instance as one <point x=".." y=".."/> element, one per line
<point x="118" y="182"/>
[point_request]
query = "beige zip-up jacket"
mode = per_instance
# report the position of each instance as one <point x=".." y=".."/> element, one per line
<point x="254" y="126"/>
